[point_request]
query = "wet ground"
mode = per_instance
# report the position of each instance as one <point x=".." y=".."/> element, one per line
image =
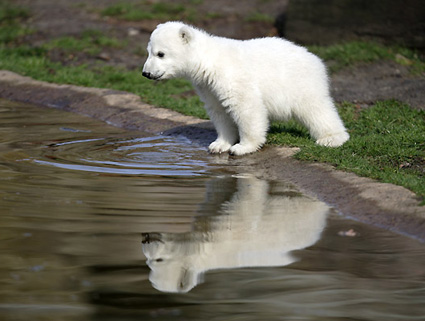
<point x="99" y="223"/>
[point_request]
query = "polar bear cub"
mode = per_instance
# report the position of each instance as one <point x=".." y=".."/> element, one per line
<point x="246" y="83"/>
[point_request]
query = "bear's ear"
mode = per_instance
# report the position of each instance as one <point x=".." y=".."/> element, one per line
<point x="185" y="34"/>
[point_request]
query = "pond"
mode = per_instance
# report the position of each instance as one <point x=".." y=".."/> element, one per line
<point x="99" y="223"/>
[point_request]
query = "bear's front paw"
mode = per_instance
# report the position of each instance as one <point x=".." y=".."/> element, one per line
<point x="219" y="146"/>
<point x="242" y="149"/>
<point x="333" y="140"/>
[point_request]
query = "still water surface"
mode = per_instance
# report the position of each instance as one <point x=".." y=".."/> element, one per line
<point x="98" y="223"/>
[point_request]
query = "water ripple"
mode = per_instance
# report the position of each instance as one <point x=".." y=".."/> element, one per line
<point x="157" y="155"/>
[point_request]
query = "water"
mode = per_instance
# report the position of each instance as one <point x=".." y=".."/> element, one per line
<point x="98" y="223"/>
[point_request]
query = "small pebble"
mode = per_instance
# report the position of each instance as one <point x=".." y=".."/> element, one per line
<point x="349" y="233"/>
<point x="133" y="32"/>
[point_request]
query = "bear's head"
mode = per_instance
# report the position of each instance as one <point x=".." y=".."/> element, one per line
<point x="173" y="260"/>
<point x="169" y="51"/>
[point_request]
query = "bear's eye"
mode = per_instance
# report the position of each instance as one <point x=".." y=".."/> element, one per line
<point x="161" y="54"/>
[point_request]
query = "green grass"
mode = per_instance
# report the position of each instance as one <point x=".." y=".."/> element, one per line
<point x="259" y="17"/>
<point x="387" y="140"/>
<point x="91" y="42"/>
<point x="10" y="22"/>
<point x="9" y="33"/>
<point x="10" y="13"/>
<point x="149" y="11"/>
<point x="350" y="53"/>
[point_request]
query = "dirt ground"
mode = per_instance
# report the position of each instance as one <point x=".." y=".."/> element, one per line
<point x="363" y="199"/>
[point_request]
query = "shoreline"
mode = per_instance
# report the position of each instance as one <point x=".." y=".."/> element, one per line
<point x="359" y="198"/>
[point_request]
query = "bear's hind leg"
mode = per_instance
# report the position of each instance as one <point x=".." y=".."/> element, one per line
<point x="324" y="124"/>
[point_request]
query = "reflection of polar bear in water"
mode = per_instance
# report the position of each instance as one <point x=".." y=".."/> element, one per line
<point x="260" y="224"/>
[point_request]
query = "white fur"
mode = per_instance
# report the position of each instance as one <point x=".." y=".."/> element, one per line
<point x="260" y="225"/>
<point x="244" y="84"/>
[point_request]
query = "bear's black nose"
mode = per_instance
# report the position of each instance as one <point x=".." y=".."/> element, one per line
<point x="147" y="74"/>
<point x="151" y="238"/>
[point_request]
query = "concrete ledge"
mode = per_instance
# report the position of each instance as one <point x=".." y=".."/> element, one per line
<point x="117" y="108"/>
